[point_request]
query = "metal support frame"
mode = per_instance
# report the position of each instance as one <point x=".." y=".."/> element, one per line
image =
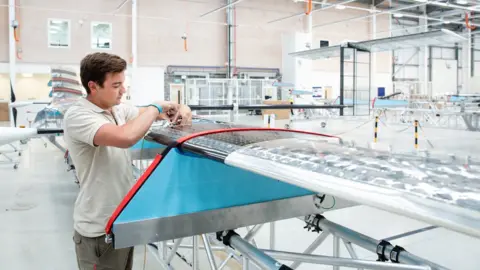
<point x="245" y="253"/>
<point x="12" y="56"/>
<point x="383" y="249"/>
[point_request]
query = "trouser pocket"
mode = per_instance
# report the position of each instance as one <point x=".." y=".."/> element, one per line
<point x="101" y="248"/>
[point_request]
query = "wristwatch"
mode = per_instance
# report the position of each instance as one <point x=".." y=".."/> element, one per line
<point x="160" y="110"/>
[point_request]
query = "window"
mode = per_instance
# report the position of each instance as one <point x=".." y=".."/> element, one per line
<point x="58" y="33"/>
<point x="101" y="35"/>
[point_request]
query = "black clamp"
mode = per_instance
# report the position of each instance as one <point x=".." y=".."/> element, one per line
<point x="225" y="236"/>
<point x="318" y="200"/>
<point x="313" y="221"/>
<point x="395" y="253"/>
<point x="381" y="247"/>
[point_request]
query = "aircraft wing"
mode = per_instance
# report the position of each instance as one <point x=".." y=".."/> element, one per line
<point x="209" y="171"/>
<point x="439" y="192"/>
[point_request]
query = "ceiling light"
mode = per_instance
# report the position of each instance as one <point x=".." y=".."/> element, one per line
<point x="446" y="22"/>
<point x="397" y="15"/>
<point x="340" y="7"/>
<point x="462" y="2"/>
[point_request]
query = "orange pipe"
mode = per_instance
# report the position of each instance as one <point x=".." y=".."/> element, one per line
<point x="185" y="44"/>
<point x="467" y="23"/>
<point x="309" y="7"/>
<point x="15" y="35"/>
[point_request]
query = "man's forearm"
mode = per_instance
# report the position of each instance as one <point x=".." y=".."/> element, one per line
<point x="138" y="127"/>
<point x="161" y="116"/>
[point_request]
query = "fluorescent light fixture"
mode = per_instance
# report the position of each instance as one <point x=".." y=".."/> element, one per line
<point x="446" y="22"/>
<point x="340" y="7"/>
<point x="422" y="1"/>
<point x="397" y="15"/>
<point x="462" y="2"/>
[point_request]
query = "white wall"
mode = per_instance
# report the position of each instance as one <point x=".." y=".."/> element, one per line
<point x="444" y="76"/>
<point x="147" y="85"/>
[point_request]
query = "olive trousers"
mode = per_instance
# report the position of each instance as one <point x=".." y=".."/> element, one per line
<point x="96" y="254"/>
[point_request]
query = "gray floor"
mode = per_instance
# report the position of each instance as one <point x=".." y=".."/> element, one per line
<point x="36" y="208"/>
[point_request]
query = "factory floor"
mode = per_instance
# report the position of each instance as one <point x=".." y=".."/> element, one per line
<point x="36" y="203"/>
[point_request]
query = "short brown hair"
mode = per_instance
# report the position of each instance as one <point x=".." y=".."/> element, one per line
<point x="95" y="67"/>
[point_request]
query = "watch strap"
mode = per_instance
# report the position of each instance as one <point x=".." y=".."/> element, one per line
<point x="160" y="110"/>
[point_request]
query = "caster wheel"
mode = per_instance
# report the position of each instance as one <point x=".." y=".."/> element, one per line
<point x="45" y="144"/>
<point x="323" y="124"/>
<point x="287" y="126"/>
<point x="15" y="166"/>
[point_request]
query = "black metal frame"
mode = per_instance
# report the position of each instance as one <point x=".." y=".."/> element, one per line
<point x="354" y="76"/>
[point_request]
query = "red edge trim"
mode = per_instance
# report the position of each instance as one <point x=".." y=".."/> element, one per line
<point x="132" y="192"/>
<point x="209" y="132"/>
<point x="158" y="159"/>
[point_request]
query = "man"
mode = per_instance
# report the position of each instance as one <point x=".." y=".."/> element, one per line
<point x="99" y="129"/>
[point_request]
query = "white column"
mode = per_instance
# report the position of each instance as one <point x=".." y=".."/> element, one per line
<point x="12" y="49"/>
<point x="426" y="57"/>
<point x="466" y="64"/>
<point x="134" y="34"/>
<point x="373" y="63"/>
<point x="134" y="83"/>
<point x="390" y="59"/>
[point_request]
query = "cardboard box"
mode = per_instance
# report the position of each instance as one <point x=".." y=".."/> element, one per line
<point x="4" y="115"/>
<point x="283" y="114"/>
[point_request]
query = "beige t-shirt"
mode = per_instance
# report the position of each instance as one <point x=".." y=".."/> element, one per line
<point x="105" y="173"/>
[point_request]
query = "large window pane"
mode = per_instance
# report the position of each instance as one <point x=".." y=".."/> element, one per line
<point x="58" y="33"/>
<point x="101" y="35"/>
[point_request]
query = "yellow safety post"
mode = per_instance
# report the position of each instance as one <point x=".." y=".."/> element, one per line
<point x="416" y="134"/>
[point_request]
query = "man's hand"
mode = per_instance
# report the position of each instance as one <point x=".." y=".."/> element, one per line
<point x="175" y="113"/>
<point x="183" y="116"/>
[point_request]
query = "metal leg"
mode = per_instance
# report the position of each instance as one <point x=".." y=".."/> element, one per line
<point x="253" y="232"/>
<point x="272" y="235"/>
<point x="195" y="253"/>
<point x="253" y="240"/>
<point x="336" y="250"/>
<point x="156" y="254"/>
<point x="350" y="250"/>
<point x="164" y="250"/>
<point x="245" y="263"/>
<point x="208" y="249"/>
<point x="224" y="263"/>
<point x="310" y="249"/>
<point x="174" y="250"/>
